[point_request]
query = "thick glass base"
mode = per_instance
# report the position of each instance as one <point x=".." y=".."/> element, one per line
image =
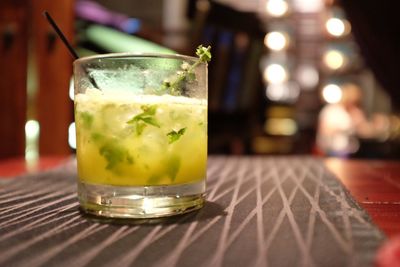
<point x="140" y="201"/>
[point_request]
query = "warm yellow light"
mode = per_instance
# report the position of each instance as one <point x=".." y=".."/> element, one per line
<point x="307" y="6"/>
<point x="283" y="92"/>
<point x="280" y="126"/>
<point x="72" y="135"/>
<point x="71" y="89"/>
<point x="335" y="27"/>
<point x="307" y="76"/>
<point x="276" y="92"/>
<point x="276" y="41"/>
<point x="332" y="93"/>
<point x="334" y="59"/>
<point x="275" y="73"/>
<point x="276" y="8"/>
<point x="32" y="131"/>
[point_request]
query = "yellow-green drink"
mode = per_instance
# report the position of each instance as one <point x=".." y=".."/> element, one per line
<point x="116" y="146"/>
<point x="141" y="134"/>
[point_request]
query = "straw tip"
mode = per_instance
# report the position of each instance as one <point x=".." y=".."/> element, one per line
<point x="45" y="13"/>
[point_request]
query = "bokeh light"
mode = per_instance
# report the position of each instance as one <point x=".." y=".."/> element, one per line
<point x="280" y="126"/>
<point x="276" y="40"/>
<point x="308" y="6"/>
<point x="71" y="92"/>
<point x="332" y="93"/>
<point x="335" y="26"/>
<point x="334" y="59"/>
<point x="275" y="73"/>
<point x="72" y="135"/>
<point x="283" y="92"/>
<point x="32" y="129"/>
<point x="307" y="76"/>
<point x="276" y="8"/>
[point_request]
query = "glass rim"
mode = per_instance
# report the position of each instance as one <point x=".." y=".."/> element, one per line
<point x="134" y="55"/>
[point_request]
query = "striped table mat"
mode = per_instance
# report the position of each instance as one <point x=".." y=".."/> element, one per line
<point x="260" y="211"/>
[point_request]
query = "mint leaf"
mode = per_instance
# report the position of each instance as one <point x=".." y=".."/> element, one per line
<point x="174" y="136"/>
<point x="148" y="112"/>
<point x="154" y="179"/>
<point x="173" y="165"/>
<point x="147" y="117"/>
<point x="190" y="77"/>
<point x="171" y="168"/>
<point x="129" y="158"/>
<point x="151" y="121"/>
<point x="115" y="154"/>
<point x="139" y="127"/>
<point x="87" y="119"/>
<point x="97" y="136"/>
<point x="174" y="84"/>
<point x="204" y="53"/>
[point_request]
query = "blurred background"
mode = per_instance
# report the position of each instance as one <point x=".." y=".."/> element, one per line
<point x="287" y="76"/>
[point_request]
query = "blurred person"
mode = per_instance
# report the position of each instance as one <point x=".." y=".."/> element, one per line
<point x="343" y="124"/>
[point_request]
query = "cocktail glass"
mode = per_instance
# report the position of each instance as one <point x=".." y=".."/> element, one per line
<point x="141" y="133"/>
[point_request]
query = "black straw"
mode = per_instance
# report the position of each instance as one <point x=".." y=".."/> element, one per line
<point x="60" y="34"/>
<point x="67" y="44"/>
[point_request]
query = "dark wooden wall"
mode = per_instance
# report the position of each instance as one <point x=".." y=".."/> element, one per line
<point x="13" y="54"/>
<point x="22" y="26"/>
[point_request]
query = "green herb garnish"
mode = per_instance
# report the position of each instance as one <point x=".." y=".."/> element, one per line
<point x="115" y="154"/>
<point x="87" y="119"/>
<point x="175" y="83"/>
<point x="204" y="54"/>
<point x="174" y="136"/>
<point x="173" y="165"/>
<point x="147" y="117"/>
<point x="171" y="168"/>
<point x="154" y="179"/>
<point x="97" y="136"/>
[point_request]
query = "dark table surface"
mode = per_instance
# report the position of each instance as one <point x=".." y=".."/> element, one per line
<point x="275" y="211"/>
<point x="375" y="184"/>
